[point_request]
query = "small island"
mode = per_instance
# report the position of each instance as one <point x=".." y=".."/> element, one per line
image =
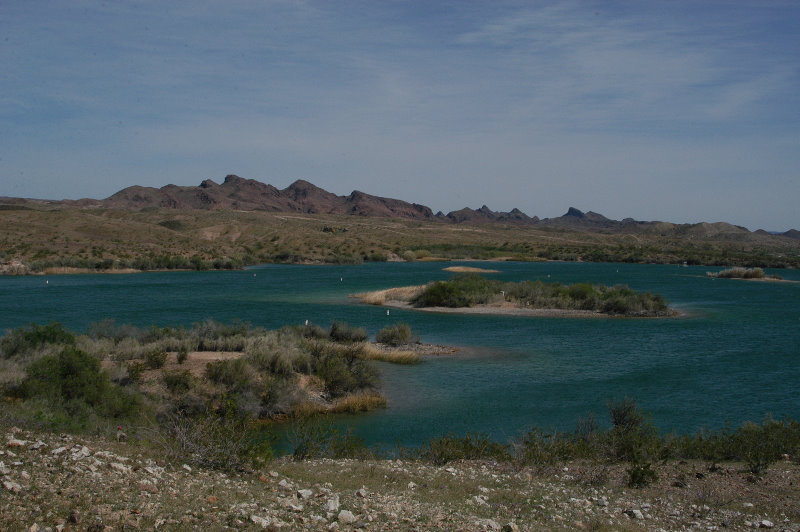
<point x="751" y="274"/>
<point x="471" y="293"/>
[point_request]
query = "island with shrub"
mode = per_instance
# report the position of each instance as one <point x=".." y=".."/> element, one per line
<point x="750" y="274"/>
<point x="472" y="293"/>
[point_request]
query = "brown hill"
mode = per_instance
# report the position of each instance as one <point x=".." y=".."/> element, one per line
<point x="251" y="195"/>
<point x="486" y="215"/>
<point x="242" y="194"/>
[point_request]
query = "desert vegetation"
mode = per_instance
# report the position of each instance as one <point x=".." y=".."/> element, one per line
<point x="221" y="380"/>
<point x="63" y="239"/>
<point x="211" y="411"/>
<point x="469" y="290"/>
<point x="200" y="445"/>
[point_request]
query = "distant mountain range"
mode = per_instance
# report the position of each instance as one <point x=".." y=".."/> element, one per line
<point x="301" y="196"/>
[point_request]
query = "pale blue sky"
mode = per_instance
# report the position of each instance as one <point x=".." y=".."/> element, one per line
<point x="681" y="111"/>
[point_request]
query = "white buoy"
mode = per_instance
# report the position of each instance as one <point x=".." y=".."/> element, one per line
<point x="387" y="311"/>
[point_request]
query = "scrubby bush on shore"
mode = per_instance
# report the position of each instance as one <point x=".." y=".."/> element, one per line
<point x="69" y="389"/>
<point x="396" y="335"/>
<point x="466" y="290"/>
<point x="27" y="339"/>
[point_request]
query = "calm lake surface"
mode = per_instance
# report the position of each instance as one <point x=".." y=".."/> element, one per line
<point x="734" y="357"/>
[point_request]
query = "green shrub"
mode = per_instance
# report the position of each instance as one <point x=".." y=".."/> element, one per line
<point x="313" y="331"/>
<point x="212" y="441"/>
<point x="135" y="370"/>
<point x="234" y="373"/>
<point x="336" y="374"/>
<point x="474" y="446"/>
<point x="310" y="437"/>
<point x="641" y="475"/>
<point x="109" y="329"/>
<point x="155" y="358"/>
<point x="183" y="354"/>
<point x="73" y="380"/>
<point x="632" y="438"/>
<point x="25" y="339"/>
<point x="178" y="382"/>
<point x="761" y="445"/>
<point x="342" y="332"/>
<point x="440" y="294"/>
<point x="396" y="335"/>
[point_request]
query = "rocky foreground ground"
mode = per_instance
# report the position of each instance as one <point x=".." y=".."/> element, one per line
<point x="63" y="482"/>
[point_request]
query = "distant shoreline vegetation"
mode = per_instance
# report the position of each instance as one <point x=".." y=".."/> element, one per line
<point x="472" y="290"/>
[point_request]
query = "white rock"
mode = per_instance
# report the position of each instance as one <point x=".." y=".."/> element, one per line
<point x="346" y="517"/>
<point x="38" y="445"/>
<point x="58" y="451"/>
<point x="304" y="494"/>
<point x="332" y="505"/>
<point x="260" y="521"/>
<point x="333" y="526"/>
<point x="155" y="471"/>
<point x="13" y="442"/>
<point x="285" y="484"/>
<point x="361" y="493"/>
<point x="187" y="468"/>
<point x="637" y="514"/>
<point x="412" y="485"/>
<point x="3" y="469"/>
<point x="747" y="504"/>
<point x="487" y="524"/>
<point x="116" y="466"/>
<point x="12" y="486"/>
<point x="79" y="453"/>
<point x="602" y="501"/>
<point x="766" y="524"/>
<point x="511" y="527"/>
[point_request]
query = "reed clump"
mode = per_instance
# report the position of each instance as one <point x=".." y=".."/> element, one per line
<point x="381" y="297"/>
<point x="394" y="356"/>
<point x="359" y="402"/>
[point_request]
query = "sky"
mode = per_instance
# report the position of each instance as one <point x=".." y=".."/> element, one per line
<point x="679" y="110"/>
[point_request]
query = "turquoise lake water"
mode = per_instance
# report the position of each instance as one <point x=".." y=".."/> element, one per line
<point x="735" y="356"/>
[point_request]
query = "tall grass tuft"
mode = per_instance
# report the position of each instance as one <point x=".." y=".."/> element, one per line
<point x="392" y="356"/>
<point x="359" y="402"/>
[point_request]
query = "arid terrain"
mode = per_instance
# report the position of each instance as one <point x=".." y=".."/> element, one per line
<point x="243" y="221"/>
<point x="64" y="482"/>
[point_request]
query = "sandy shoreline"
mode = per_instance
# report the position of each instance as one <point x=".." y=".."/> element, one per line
<point x="512" y="310"/>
